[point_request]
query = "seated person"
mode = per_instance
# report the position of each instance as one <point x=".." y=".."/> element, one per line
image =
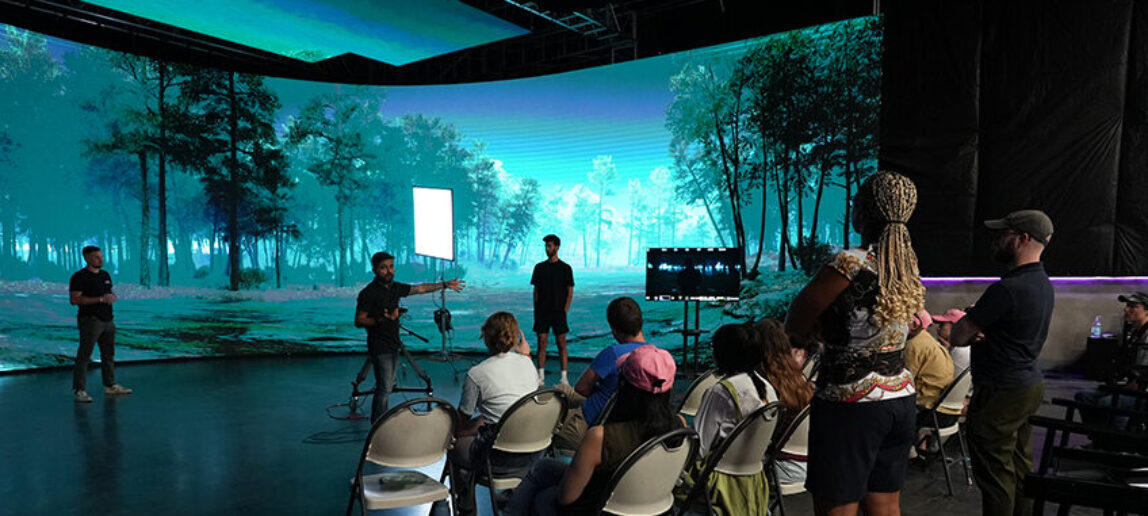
<point x="741" y="390"/>
<point x="643" y="411"/>
<point x="1133" y="347"/>
<point x="961" y="355"/>
<point x="600" y="380"/>
<point x="932" y="370"/>
<point x="793" y="389"/>
<point x="490" y="388"/>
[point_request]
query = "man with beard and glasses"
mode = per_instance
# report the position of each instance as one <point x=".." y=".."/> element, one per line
<point x="378" y="311"/>
<point x="1007" y="328"/>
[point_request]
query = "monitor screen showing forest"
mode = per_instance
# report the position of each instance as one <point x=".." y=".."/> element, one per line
<point x="256" y="238"/>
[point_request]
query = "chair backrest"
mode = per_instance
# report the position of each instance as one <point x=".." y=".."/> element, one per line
<point x="408" y="438"/>
<point x="795" y="439"/>
<point x="811" y="367"/>
<point x="741" y="452"/>
<point x="953" y="397"/>
<point x="693" y="399"/>
<point x="529" y="424"/>
<point x="644" y="482"/>
<point x="606" y="410"/>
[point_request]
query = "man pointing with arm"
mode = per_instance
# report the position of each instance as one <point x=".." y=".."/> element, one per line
<point x="378" y="312"/>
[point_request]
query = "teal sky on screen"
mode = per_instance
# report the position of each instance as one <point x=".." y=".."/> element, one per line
<point x="550" y="128"/>
<point x="392" y="31"/>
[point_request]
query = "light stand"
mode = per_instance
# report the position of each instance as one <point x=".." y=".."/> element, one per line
<point x="442" y="321"/>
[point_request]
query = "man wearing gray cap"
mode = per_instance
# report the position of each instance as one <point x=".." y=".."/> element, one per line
<point x="1007" y="328"/>
<point x="1126" y="371"/>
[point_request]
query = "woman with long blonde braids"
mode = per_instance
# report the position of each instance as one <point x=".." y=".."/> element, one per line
<point x="861" y="303"/>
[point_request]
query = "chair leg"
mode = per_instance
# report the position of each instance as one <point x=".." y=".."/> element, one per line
<point x="964" y="454"/>
<point x="775" y="488"/>
<point x="351" y="499"/>
<point x="450" y="490"/>
<point x="490" y="486"/>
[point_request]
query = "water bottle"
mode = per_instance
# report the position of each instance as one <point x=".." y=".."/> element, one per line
<point x="1096" y="328"/>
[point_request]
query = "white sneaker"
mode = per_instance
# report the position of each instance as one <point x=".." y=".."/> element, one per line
<point x="82" y="397"/>
<point x="116" y="388"/>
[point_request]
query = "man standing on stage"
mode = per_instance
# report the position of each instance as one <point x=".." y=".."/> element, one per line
<point x="553" y="282"/>
<point x="378" y="311"/>
<point x="91" y="290"/>
<point x="1013" y="315"/>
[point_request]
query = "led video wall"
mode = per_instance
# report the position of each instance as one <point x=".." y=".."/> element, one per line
<point x="256" y="237"/>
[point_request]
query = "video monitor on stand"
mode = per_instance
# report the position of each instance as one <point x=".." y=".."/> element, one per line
<point x="693" y="274"/>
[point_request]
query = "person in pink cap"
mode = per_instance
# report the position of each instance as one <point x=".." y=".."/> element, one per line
<point x="945" y="322"/>
<point x="642" y="411"/>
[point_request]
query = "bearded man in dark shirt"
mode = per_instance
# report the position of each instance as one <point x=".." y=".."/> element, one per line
<point x="91" y="290"/>
<point x="378" y="312"/>
<point x="1007" y="328"/>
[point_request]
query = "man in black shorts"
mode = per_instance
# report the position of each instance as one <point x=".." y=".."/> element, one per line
<point x="378" y="311"/>
<point x="91" y="290"/>
<point x="553" y="282"/>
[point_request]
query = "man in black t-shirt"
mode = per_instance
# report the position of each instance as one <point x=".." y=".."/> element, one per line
<point x="1013" y="316"/>
<point x="378" y="312"/>
<point x="553" y="282"/>
<point x="91" y="290"/>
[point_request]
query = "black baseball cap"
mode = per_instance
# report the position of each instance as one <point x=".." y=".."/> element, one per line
<point x="1135" y="297"/>
<point x="1032" y="222"/>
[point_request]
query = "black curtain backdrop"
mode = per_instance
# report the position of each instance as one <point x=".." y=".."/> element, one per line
<point x="996" y="106"/>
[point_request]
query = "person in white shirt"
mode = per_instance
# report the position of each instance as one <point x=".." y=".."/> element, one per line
<point x="491" y="387"/>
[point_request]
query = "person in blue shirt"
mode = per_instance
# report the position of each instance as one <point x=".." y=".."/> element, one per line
<point x="600" y="381"/>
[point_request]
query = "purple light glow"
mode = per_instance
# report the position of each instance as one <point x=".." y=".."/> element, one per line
<point x="1060" y="279"/>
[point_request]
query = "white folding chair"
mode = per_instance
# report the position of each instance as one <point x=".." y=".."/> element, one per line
<point x="528" y="426"/>
<point x="793" y="440"/>
<point x="693" y="399"/>
<point x="405" y="437"/>
<point x="952" y="399"/>
<point x="741" y="453"/>
<point x="644" y="483"/>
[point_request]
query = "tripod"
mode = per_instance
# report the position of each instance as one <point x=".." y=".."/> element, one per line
<point x="354" y="402"/>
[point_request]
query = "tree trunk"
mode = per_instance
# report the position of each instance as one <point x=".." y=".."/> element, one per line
<point x="598" y="243"/>
<point x="161" y="153"/>
<point x="783" y="211"/>
<point x="278" y="258"/>
<point x="847" y="222"/>
<point x="341" y="266"/>
<point x="233" y="190"/>
<point x="817" y="202"/>
<point x="754" y="272"/>
<point x="145" y="212"/>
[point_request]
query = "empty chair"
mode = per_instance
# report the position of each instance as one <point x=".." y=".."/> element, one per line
<point x="405" y="438"/>
<point x="644" y="483"/>
<point x="741" y="453"/>
<point x="953" y="400"/>
<point x="528" y="426"/>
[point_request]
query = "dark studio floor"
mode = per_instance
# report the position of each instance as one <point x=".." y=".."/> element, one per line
<point x="248" y="436"/>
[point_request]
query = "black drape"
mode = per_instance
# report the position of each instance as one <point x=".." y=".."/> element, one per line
<point x="994" y="106"/>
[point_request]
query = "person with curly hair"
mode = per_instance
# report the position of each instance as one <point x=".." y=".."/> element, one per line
<point x="863" y="413"/>
<point x="490" y="388"/>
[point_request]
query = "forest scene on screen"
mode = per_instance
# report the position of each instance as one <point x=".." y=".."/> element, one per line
<point x="237" y="214"/>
